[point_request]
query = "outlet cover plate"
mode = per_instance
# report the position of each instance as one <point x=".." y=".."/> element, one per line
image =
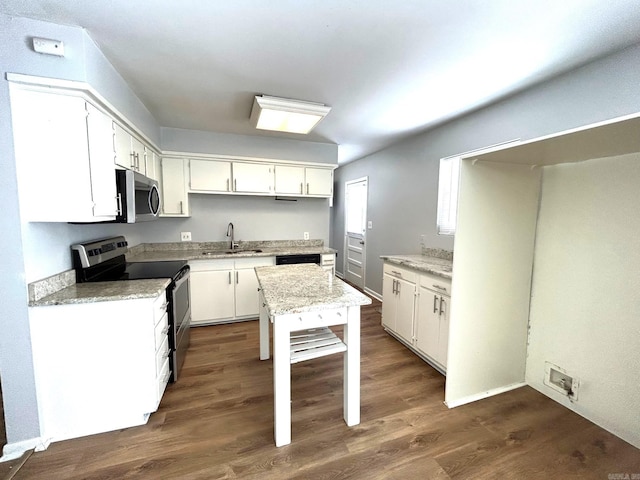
<point x="185" y="236"/>
<point x="306" y="235"/>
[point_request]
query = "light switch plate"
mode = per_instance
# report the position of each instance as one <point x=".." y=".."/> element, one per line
<point x="369" y="224"/>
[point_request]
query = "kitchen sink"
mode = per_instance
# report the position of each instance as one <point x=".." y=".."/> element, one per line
<point x="230" y="252"/>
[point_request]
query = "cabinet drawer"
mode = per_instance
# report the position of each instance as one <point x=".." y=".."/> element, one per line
<point x="254" y="262"/>
<point x="162" y="354"/>
<point x="400" y="272"/>
<point x="159" y="308"/>
<point x="327" y="259"/>
<point x="435" y="283"/>
<point x="161" y="330"/>
<point x="163" y="378"/>
<point x="208" y="265"/>
<point x="323" y="318"/>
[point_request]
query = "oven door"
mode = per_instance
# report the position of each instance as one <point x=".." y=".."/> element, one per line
<point x="180" y="319"/>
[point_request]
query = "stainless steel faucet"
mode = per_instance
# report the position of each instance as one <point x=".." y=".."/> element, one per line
<point x="232" y="244"/>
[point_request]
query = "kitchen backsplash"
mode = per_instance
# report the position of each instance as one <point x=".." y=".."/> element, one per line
<point x="186" y="246"/>
<point x="437" y="253"/>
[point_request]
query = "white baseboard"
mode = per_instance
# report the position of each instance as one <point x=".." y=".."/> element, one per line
<point x="375" y="295"/>
<point x="11" y="451"/>
<point x="479" y="396"/>
<point x="368" y="291"/>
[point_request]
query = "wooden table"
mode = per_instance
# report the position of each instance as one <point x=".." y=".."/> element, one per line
<point x="299" y="297"/>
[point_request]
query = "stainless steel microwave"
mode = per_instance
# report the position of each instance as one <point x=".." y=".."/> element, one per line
<point x="138" y="197"/>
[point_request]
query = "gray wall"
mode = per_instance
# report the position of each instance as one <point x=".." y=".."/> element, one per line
<point x="403" y="179"/>
<point x="254" y="218"/>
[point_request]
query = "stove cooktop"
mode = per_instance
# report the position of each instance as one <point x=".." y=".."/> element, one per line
<point x="142" y="270"/>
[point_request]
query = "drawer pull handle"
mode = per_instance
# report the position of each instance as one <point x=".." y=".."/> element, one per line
<point x="396" y="273"/>
<point x="444" y="289"/>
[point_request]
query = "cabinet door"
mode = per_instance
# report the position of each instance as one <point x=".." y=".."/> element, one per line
<point x="252" y="178"/>
<point x="50" y="143"/>
<point x="405" y="294"/>
<point x="137" y="150"/>
<point x="211" y="296"/>
<point x="319" y="181"/>
<point x="246" y="292"/>
<point x="389" y="302"/>
<point x="103" y="186"/>
<point x="122" y="144"/>
<point x="152" y="164"/>
<point x="289" y="180"/>
<point x="443" y="337"/>
<point x="174" y="193"/>
<point x="209" y="176"/>
<point x="428" y="323"/>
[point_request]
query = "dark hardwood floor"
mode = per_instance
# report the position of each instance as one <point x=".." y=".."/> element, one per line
<point x="217" y="422"/>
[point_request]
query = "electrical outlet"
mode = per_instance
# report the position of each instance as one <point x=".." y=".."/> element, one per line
<point x="185" y="236"/>
<point x="306" y="235"/>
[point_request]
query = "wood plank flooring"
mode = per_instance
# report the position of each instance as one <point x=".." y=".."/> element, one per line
<point x="217" y="423"/>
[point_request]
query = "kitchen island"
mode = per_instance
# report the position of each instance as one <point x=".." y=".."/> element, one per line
<point x="302" y="297"/>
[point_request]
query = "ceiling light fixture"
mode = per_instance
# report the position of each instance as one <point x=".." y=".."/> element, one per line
<point x="286" y="115"/>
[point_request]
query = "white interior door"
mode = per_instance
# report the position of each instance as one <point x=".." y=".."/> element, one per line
<point x="355" y="231"/>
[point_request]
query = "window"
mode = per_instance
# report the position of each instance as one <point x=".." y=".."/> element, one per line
<point x="448" y="182"/>
<point x="448" y="195"/>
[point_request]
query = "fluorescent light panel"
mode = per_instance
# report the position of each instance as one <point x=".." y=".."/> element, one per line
<point x="286" y="115"/>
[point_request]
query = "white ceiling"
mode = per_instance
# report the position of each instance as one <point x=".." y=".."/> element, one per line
<point x="387" y="69"/>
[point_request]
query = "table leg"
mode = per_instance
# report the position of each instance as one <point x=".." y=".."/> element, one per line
<point x="264" y="330"/>
<point x="281" y="383"/>
<point x="351" y="405"/>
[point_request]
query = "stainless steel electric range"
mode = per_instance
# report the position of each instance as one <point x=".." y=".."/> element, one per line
<point x="104" y="260"/>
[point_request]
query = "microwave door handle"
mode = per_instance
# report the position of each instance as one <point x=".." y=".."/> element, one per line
<point x="119" y="200"/>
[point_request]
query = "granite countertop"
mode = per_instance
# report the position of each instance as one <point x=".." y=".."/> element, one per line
<point x="441" y="267"/>
<point x="61" y="289"/>
<point x="305" y="288"/>
<point x="216" y="250"/>
<point x="104" y="292"/>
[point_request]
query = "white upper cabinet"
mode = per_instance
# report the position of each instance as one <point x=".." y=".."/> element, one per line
<point x="252" y="177"/>
<point x="103" y="188"/>
<point x="152" y="164"/>
<point x="209" y="176"/>
<point x="129" y="150"/>
<point x="289" y="180"/>
<point x="175" y="201"/>
<point x="64" y="158"/>
<point x="319" y="181"/>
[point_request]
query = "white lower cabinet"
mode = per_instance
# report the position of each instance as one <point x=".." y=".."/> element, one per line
<point x="432" y="319"/>
<point x="415" y="309"/>
<point x="399" y="293"/>
<point x="224" y="290"/>
<point x="98" y="366"/>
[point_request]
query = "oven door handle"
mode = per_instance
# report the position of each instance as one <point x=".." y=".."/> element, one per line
<point x="181" y="280"/>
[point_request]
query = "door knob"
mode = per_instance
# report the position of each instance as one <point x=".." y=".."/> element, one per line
<point x="361" y="243"/>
